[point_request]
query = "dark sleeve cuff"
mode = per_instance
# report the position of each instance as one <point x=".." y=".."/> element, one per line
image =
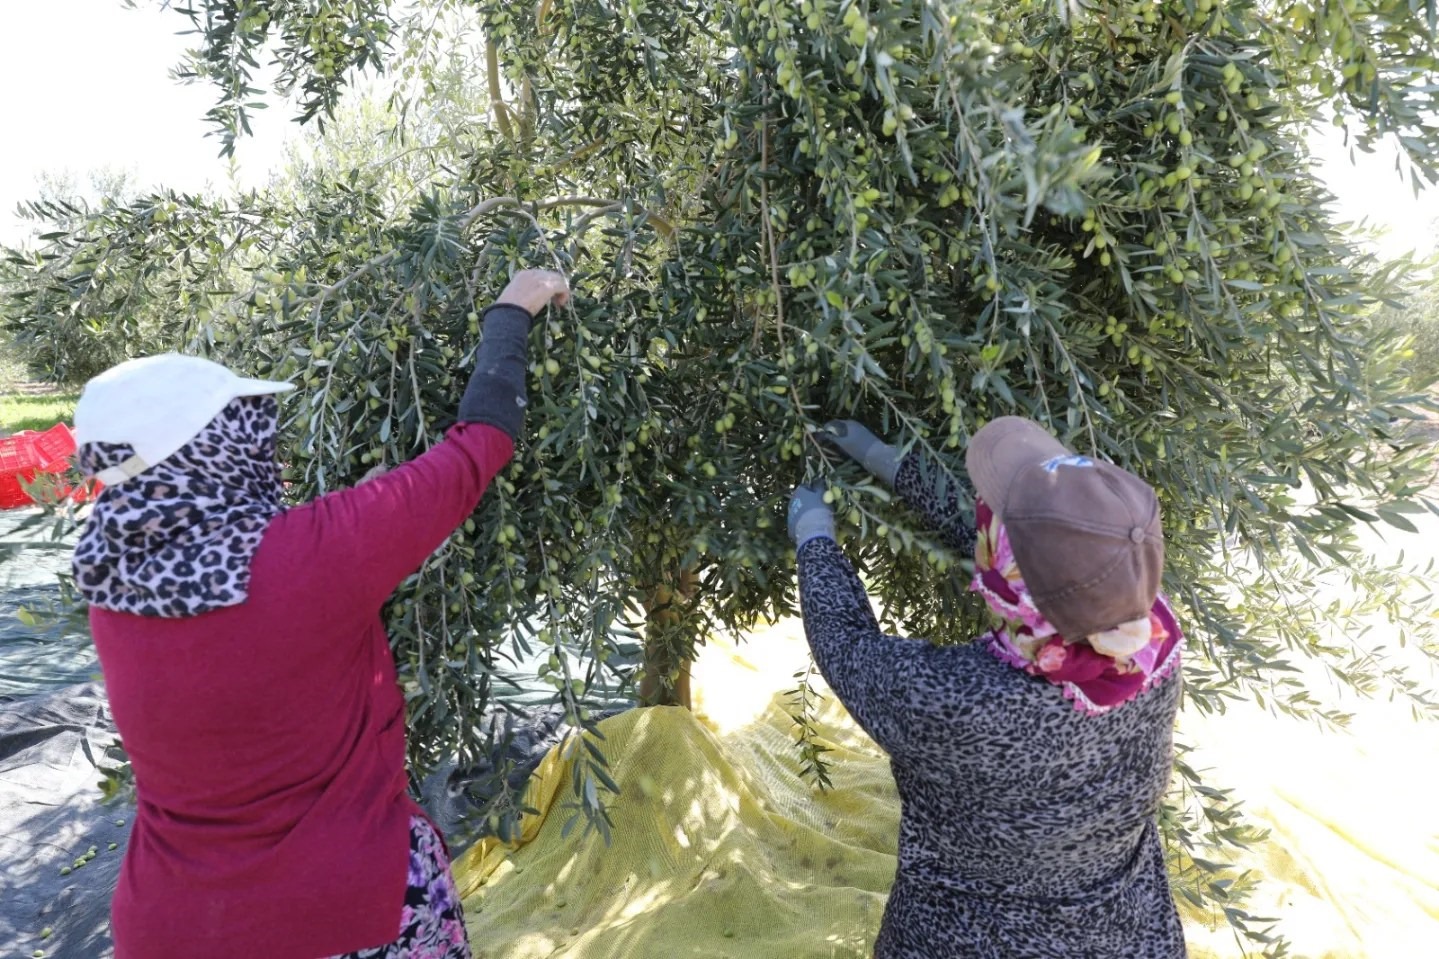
<point x="508" y="312"/>
<point x="495" y="401"/>
<point x="496" y="391"/>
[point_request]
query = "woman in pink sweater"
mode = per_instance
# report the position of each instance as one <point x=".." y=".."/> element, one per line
<point x="248" y="669"/>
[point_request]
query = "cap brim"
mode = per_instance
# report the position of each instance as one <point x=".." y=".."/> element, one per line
<point x="246" y="387"/>
<point x="1001" y="450"/>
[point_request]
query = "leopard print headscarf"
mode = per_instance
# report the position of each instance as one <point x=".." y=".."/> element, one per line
<point x="177" y="540"/>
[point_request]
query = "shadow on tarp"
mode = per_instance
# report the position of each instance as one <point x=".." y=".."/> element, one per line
<point x="52" y="751"/>
<point x="43" y="656"/>
<point x="721" y="850"/>
<point x="457" y="797"/>
<point x="53" y="650"/>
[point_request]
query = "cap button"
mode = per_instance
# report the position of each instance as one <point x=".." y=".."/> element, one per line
<point x="1136" y="535"/>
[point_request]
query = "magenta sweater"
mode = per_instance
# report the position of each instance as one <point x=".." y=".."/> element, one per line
<point x="268" y="739"/>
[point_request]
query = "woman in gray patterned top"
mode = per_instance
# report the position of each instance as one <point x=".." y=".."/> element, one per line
<point x="1031" y="762"/>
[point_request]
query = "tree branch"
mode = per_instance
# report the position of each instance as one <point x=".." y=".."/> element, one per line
<point x="497" y="98"/>
<point x="769" y="236"/>
<point x="496" y="202"/>
<point x="542" y="12"/>
<point x="529" y="109"/>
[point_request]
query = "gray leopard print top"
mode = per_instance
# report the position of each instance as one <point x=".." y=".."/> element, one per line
<point x="1028" y="828"/>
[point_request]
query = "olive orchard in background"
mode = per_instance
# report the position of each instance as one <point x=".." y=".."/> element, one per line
<point x="919" y="214"/>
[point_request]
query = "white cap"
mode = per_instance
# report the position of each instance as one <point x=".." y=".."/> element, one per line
<point x="157" y="404"/>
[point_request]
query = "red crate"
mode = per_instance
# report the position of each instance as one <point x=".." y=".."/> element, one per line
<point x="12" y="496"/>
<point x="27" y="455"/>
<point x="16" y="453"/>
<point x="54" y="445"/>
<point x="56" y="487"/>
<point x="12" y="492"/>
<point x="28" y="449"/>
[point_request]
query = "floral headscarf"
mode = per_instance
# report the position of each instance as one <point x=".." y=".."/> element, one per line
<point x="1096" y="672"/>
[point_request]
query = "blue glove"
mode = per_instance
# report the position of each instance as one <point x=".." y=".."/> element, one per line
<point x="866" y="449"/>
<point x="809" y="516"/>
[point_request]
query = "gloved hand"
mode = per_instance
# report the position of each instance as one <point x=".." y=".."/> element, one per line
<point x="809" y="516"/>
<point x="866" y="449"/>
<point x="496" y="393"/>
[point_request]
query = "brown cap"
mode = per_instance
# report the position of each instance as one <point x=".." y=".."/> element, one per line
<point x="1086" y="534"/>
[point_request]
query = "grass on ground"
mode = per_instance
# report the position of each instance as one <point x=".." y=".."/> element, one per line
<point x="25" y="404"/>
<point x="35" y="411"/>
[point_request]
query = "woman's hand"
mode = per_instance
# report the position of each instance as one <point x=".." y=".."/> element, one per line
<point x="496" y="394"/>
<point x="809" y="516"/>
<point x="533" y="290"/>
<point x="866" y="449"/>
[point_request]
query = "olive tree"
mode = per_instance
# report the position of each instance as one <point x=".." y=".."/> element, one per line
<point x="921" y="214"/>
<point x="1416" y="319"/>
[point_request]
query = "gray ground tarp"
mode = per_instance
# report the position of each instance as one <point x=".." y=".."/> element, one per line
<point x="52" y="748"/>
<point x="45" y="654"/>
<point x="54" y="730"/>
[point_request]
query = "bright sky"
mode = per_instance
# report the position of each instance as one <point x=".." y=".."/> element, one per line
<point x="87" y="86"/>
<point x="106" y="101"/>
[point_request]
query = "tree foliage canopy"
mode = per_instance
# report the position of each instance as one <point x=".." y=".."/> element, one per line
<point x="921" y="214"/>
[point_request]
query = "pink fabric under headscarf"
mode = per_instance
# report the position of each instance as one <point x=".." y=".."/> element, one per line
<point x="1093" y="681"/>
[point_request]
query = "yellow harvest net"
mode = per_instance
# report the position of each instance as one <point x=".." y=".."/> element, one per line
<point x="723" y="850"/>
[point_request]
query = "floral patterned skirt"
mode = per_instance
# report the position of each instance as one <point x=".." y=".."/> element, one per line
<point x="432" y="925"/>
